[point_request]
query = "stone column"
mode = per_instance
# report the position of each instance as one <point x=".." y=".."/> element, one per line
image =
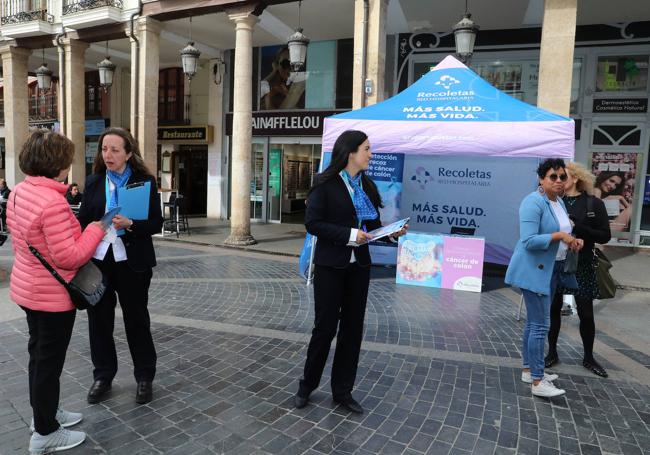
<point x="115" y="97"/>
<point x="14" y="68"/>
<point x="556" y="55"/>
<point x="240" y="222"/>
<point x="375" y="54"/>
<point x="147" y="90"/>
<point x="75" y="109"/>
<point x="215" y="151"/>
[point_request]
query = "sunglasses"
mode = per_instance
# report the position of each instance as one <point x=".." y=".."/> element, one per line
<point x="554" y="177"/>
<point x="285" y="64"/>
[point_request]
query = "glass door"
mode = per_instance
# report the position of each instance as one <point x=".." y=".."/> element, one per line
<point x="258" y="186"/>
<point x="274" y="192"/>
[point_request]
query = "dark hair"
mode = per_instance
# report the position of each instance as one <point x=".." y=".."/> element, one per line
<point x="348" y="142"/>
<point x="600" y="178"/>
<point x="130" y="145"/>
<point x="46" y="154"/>
<point x="550" y="163"/>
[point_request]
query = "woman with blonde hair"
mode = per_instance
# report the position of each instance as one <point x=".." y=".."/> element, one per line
<point x="589" y="216"/>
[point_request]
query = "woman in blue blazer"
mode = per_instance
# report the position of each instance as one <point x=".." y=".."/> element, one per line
<point x="537" y="266"/>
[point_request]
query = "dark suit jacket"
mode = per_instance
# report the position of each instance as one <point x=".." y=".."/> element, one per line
<point x="138" y="244"/>
<point x="330" y="216"/>
<point x="592" y="227"/>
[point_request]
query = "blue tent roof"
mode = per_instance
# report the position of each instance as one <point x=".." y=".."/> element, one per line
<point x="452" y="92"/>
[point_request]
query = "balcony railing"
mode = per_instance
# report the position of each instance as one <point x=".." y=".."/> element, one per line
<point x="75" y="6"/>
<point x="19" y="11"/>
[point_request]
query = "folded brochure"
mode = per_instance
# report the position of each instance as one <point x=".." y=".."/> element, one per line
<point x="385" y="231"/>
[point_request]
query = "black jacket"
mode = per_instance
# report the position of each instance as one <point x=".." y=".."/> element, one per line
<point x="138" y="244"/>
<point x="330" y="216"/>
<point x="592" y="227"/>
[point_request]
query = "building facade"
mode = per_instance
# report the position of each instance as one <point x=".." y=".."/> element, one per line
<point x="241" y="140"/>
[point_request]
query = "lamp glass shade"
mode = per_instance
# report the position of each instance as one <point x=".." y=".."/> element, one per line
<point x="297" y="44"/>
<point x="106" y="70"/>
<point x="465" y="32"/>
<point x="190" y="59"/>
<point x="44" y="77"/>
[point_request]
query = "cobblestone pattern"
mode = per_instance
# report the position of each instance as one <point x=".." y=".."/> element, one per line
<point x="230" y="393"/>
<point x="405" y="315"/>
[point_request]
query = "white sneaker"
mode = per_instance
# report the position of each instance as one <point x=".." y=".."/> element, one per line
<point x="57" y="441"/>
<point x="65" y="418"/>
<point x="528" y="379"/>
<point x="546" y="389"/>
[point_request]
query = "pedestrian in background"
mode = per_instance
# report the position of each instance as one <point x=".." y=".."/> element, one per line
<point x="126" y="257"/>
<point x="73" y="195"/>
<point x="537" y="267"/>
<point x="591" y="224"/>
<point x="39" y="215"/>
<point x="342" y="206"/>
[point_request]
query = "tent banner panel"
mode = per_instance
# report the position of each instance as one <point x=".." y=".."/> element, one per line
<point x="449" y="194"/>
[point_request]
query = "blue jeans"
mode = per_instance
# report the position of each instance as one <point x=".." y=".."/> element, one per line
<point x="538" y="321"/>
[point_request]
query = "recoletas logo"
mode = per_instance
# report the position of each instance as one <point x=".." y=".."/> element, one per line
<point x="447" y="81"/>
<point x="422" y="177"/>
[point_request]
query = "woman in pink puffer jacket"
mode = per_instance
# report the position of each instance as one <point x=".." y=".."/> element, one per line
<point x="38" y="213"/>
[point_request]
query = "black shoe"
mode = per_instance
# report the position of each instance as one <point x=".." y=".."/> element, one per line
<point x="144" y="392"/>
<point x="550" y="360"/>
<point x="99" y="391"/>
<point x="595" y="368"/>
<point x="350" y="404"/>
<point x="299" y="401"/>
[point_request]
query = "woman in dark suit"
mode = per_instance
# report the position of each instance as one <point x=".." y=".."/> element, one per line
<point x="342" y="207"/>
<point x="591" y="224"/>
<point x="126" y="256"/>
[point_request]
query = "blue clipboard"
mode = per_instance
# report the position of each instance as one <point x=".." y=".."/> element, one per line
<point x="134" y="200"/>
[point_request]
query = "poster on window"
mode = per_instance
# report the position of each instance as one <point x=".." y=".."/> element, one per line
<point x="280" y="88"/>
<point x="616" y="175"/>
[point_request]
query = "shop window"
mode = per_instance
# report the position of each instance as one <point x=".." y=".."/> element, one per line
<point x="93" y="94"/>
<point x="171" y="96"/>
<point x="622" y="74"/>
<point x="326" y="82"/>
<point x="43" y="106"/>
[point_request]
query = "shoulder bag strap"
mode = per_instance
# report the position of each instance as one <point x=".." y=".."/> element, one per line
<point x="39" y="256"/>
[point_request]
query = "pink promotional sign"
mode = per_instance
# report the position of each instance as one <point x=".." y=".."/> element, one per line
<point x="441" y="261"/>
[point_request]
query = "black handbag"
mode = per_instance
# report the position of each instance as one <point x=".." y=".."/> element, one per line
<point x="87" y="287"/>
<point x="571" y="262"/>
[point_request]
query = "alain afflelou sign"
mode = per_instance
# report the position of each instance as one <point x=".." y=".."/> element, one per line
<point x="285" y="123"/>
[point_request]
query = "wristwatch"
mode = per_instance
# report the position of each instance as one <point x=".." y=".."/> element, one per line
<point x="130" y="226"/>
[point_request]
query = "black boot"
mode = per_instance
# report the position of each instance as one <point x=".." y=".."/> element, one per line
<point x="99" y="391"/>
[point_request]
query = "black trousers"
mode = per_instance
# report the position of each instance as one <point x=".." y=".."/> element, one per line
<point x="132" y="288"/>
<point x="340" y="302"/>
<point x="585" y="308"/>
<point x="49" y="337"/>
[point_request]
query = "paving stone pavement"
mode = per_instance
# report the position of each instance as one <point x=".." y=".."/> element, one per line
<point x="438" y="374"/>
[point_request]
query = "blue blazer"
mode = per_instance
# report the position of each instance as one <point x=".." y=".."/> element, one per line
<point x="531" y="265"/>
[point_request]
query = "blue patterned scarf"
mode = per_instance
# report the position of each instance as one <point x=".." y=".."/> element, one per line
<point x="362" y="204"/>
<point x="119" y="180"/>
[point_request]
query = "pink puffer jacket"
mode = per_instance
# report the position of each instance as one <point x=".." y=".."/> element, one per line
<point x="38" y="212"/>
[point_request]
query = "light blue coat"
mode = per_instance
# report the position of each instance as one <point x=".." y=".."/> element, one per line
<point x="531" y="265"/>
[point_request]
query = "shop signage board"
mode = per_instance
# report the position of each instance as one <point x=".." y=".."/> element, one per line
<point x="94" y="127"/>
<point x="441" y="261"/>
<point x="186" y="134"/>
<point x="285" y="123"/>
<point x="620" y="105"/>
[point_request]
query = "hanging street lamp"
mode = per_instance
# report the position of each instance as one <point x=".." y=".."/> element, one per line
<point x="297" y="44"/>
<point x="44" y="76"/>
<point x="106" y="70"/>
<point x="190" y="57"/>
<point x="465" y="32"/>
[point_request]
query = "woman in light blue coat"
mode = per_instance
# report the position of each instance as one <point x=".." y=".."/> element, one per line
<point x="537" y="266"/>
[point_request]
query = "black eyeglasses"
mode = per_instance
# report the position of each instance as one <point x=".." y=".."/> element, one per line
<point x="285" y="64"/>
<point x="554" y="177"/>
